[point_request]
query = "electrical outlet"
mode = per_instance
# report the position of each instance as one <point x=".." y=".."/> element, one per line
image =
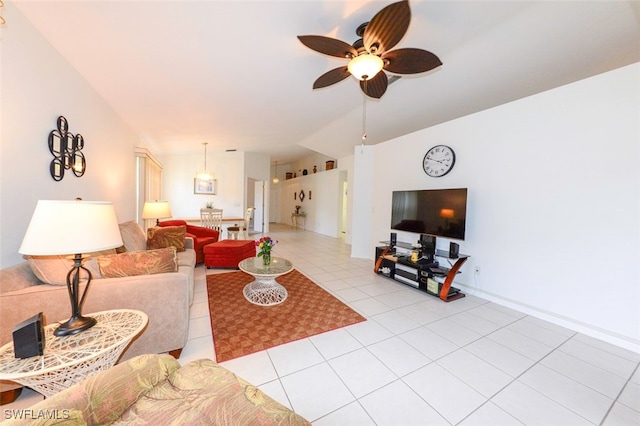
<point x="477" y="269"/>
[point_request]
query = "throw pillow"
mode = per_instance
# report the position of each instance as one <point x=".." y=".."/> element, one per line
<point x="132" y="236"/>
<point x="145" y="262"/>
<point x="166" y="236"/>
<point x="54" y="269"/>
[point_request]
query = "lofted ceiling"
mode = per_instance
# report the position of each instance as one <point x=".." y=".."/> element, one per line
<point x="232" y="73"/>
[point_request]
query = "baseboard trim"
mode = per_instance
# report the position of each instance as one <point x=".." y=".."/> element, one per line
<point x="577" y="326"/>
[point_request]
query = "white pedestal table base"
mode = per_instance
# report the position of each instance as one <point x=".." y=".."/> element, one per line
<point x="265" y="292"/>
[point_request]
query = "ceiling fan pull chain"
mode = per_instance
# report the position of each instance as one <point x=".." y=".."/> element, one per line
<point x="364" y="114"/>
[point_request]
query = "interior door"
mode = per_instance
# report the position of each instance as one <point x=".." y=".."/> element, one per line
<point x="258" y="213"/>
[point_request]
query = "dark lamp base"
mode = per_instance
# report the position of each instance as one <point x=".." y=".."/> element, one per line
<point x="74" y="325"/>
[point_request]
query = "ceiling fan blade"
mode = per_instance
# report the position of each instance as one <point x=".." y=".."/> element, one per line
<point x="331" y="77"/>
<point x="328" y="46"/>
<point x="410" y="61"/>
<point x="375" y="87"/>
<point x="387" y="27"/>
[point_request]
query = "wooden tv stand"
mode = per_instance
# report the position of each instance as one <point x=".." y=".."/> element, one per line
<point x="421" y="274"/>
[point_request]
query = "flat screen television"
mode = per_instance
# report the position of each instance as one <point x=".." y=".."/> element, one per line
<point x="440" y="212"/>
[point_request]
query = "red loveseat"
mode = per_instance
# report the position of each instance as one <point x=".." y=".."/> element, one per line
<point x="201" y="236"/>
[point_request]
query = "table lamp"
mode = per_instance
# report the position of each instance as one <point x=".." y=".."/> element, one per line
<point x="72" y="228"/>
<point x="156" y="210"/>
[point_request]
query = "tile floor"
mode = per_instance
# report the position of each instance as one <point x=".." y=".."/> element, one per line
<point x="420" y="361"/>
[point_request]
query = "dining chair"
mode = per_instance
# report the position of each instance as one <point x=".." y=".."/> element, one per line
<point x="211" y="218"/>
<point x="247" y="221"/>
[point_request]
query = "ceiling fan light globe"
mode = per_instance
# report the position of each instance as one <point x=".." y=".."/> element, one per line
<point x="365" y="66"/>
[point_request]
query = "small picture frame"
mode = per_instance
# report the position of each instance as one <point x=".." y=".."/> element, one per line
<point x="207" y="187"/>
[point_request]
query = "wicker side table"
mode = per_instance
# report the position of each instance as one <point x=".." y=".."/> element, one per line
<point x="70" y="359"/>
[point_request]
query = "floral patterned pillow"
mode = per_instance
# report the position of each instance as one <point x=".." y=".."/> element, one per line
<point x="145" y="262"/>
<point x="166" y="236"/>
<point x="54" y="269"/>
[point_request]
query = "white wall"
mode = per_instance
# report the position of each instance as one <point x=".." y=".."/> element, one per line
<point x="38" y="85"/>
<point x="553" y="215"/>
<point x="179" y="171"/>
<point x="233" y="170"/>
<point x="346" y="164"/>
<point x="323" y="209"/>
<point x="321" y="202"/>
<point x="363" y="195"/>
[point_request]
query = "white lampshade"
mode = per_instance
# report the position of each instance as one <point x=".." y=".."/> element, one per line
<point x="365" y="66"/>
<point x="156" y="210"/>
<point x="71" y="227"/>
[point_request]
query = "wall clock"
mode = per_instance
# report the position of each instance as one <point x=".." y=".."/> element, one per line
<point x="439" y="161"/>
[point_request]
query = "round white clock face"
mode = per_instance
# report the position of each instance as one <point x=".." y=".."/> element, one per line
<point x="439" y="161"/>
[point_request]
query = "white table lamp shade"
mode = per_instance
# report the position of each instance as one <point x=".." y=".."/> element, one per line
<point x="156" y="210"/>
<point x="71" y="227"/>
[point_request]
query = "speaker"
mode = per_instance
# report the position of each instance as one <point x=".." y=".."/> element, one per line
<point x="454" y="250"/>
<point x="28" y="337"/>
<point x="394" y="238"/>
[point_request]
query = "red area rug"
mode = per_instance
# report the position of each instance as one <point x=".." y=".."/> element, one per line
<point x="241" y="328"/>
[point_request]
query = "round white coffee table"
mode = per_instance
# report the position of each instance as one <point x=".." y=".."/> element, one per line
<point x="70" y="359"/>
<point x="265" y="290"/>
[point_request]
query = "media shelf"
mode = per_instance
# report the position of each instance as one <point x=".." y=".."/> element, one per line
<point x="424" y="275"/>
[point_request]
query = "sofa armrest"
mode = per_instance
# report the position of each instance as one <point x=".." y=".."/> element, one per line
<point x="104" y="397"/>
<point x="189" y="243"/>
<point x="164" y="297"/>
<point x="201" y="231"/>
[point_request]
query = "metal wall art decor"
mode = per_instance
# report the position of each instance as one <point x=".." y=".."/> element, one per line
<point x="301" y="196"/>
<point x="66" y="149"/>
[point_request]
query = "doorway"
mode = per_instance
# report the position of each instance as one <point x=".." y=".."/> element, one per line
<point x="256" y="199"/>
<point x="343" y="204"/>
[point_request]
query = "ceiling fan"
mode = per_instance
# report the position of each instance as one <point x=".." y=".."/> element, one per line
<point x="371" y="54"/>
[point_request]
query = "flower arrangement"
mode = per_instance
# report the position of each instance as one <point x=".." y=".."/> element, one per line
<point x="298" y="209"/>
<point x="264" y="245"/>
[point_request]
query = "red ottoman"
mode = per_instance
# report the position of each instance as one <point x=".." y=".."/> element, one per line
<point x="228" y="253"/>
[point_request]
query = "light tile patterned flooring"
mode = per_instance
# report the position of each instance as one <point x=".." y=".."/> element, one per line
<point x="420" y="361"/>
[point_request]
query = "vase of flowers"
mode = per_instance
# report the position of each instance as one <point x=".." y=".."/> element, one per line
<point x="264" y="245"/>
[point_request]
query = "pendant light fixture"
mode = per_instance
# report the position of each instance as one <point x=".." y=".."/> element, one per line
<point x="204" y="175"/>
<point x="275" y="177"/>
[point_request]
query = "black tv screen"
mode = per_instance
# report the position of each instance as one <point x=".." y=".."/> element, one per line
<point x="440" y="212"/>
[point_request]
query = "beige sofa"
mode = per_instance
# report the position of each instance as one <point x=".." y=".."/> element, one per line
<point x="155" y="390"/>
<point x="164" y="297"/>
